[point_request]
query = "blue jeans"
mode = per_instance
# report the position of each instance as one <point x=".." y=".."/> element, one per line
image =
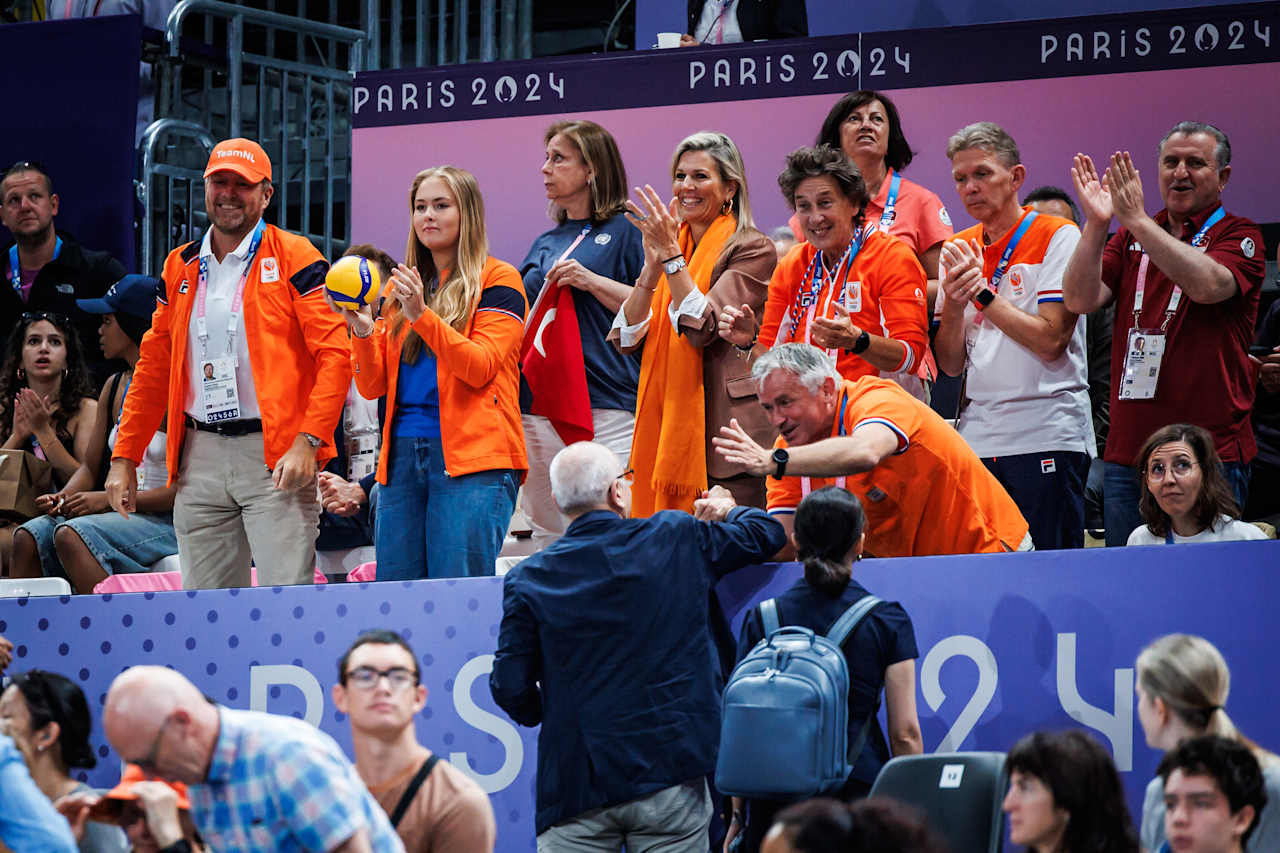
<point x="431" y="525"/>
<point x="1121" y="491"/>
<point x="120" y="545"/>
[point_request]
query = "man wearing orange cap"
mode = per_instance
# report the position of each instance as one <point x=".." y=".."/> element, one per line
<point x="244" y="445"/>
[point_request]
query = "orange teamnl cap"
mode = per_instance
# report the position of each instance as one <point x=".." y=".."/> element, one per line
<point x="110" y="808"/>
<point x="242" y="156"/>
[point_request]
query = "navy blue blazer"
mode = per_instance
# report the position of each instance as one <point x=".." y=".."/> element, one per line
<point x="605" y="642"/>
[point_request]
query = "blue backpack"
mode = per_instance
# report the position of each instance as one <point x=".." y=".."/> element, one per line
<point x="784" y="732"/>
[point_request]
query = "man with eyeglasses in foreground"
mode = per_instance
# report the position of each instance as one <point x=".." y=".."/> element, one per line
<point x="606" y="642"/>
<point x="255" y="781"/>
<point x="434" y="807"/>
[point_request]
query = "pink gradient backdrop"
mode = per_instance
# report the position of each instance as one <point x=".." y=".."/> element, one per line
<point x="1051" y="120"/>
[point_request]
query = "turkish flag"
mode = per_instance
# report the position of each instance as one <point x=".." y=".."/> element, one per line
<point x="551" y="359"/>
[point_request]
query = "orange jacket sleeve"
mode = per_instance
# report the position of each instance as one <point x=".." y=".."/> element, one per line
<point x="901" y="283"/>
<point x="496" y="330"/>
<point x="325" y="334"/>
<point x="369" y="361"/>
<point x="144" y="405"/>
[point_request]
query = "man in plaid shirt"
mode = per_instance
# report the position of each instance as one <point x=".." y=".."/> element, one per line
<point x="255" y="781"/>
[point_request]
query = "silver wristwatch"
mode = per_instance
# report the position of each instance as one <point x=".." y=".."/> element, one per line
<point x="311" y="439"/>
<point x="674" y="265"/>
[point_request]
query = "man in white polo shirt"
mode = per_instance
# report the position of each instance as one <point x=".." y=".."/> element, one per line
<point x="1004" y="327"/>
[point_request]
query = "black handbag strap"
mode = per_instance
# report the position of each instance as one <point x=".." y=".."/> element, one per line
<point x="412" y="791"/>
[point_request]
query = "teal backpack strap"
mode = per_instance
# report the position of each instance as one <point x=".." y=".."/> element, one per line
<point x="842" y="627"/>
<point x="769" y="616"/>
<point x="837" y="634"/>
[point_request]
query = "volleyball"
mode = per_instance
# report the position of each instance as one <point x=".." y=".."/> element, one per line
<point x="352" y="281"/>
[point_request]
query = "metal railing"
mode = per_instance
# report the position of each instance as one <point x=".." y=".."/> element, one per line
<point x="231" y="70"/>
<point x="172" y="188"/>
<point x="417" y="33"/>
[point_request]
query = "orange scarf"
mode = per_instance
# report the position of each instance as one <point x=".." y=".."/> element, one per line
<point x="668" y="451"/>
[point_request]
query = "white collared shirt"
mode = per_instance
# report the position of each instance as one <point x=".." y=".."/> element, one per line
<point x="223" y="278"/>
<point x="718" y="23"/>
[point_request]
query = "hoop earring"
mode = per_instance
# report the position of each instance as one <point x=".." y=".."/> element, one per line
<point x="726" y="207"/>
<point x="21" y="374"/>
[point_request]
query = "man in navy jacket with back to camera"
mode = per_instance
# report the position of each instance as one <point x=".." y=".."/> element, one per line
<point x="605" y="642"/>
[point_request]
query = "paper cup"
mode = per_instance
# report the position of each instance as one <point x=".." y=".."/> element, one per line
<point x="666" y="40"/>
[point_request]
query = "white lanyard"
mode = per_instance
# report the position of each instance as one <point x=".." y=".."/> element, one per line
<point x="1175" y="298"/>
<point x="237" y="302"/>
<point x="805" y="484"/>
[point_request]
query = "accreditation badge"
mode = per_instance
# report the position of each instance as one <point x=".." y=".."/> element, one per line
<point x="362" y="455"/>
<point x="218" y="390"/>
<point x="853" y="296"/>
<point x="1142" y="364"/>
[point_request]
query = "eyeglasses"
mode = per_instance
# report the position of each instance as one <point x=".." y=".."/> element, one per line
<point x="1181" y="468"/>
<point x="627" y="476"/>
<point x="366" y="677"/>
<point x="53" y="317"/>
<point x="148" y="764"/>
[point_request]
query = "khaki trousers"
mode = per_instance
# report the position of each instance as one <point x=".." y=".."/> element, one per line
<point x="226" y="513"/>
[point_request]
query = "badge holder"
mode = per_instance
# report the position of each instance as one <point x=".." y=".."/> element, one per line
<point x="1142" y="359"/>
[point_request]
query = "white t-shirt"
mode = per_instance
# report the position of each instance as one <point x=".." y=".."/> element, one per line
<point x="1223" y="530"/>
<point x="223" y="279"/>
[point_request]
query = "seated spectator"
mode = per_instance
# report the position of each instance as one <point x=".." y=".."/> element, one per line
<point x="1022" y="353"/>
<point x="293" y="787"/>
<point x="48" y="718"/>
<point x="1185" y="497"/>
<point x="6" y="653"/>
<point x="346" y="480"/>
<point x="854" y="291"/>
<point x="431" y="804"/>
<point x="600" y="688"/>
<point x="923" y="490"/>
<point x="1065" y="796"/>
<point x="1183" y="683"/>
<point x="1213" y="794"/>
<point x="446" y="356"/>
<point x="1264" y="472"/>
<point x="50" y="270"/>
<point x="46" y="406"/>
<point x="881" y="652"/>
<point x="877" y="825"/>
<point x="80" y="537"/>
<point x="1055" y="201"/>
<point x="1200" y="270"/>
<point x="28" y="821"/>
<point x="700" y="261"/>
<point x="156" y="816"/>
<point x="729" y="21"/>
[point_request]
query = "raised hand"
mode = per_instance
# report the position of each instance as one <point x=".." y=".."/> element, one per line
<point x="737" y="325"/>
<point x="1125" y="185"/>
<point x="1093" y="195"/>
<point x="658" y="222"/>
<point x="408" y="291"/>
<point x="359" y="320"/>
<point x="737" y="447"/>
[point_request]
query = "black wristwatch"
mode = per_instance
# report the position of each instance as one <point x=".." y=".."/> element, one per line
<point x="861" y="344"/>
<point x="984" y="298"/>
<point x="780" y="458"/>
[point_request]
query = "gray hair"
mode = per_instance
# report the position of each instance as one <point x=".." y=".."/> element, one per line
<point x="581" y="475"/>
<point x="811" y="365"/>
<point x="1221" y="151"/>
<point x="988" y="136"/>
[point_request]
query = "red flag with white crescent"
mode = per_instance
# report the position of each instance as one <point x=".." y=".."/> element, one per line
<point x="551" y="359"/>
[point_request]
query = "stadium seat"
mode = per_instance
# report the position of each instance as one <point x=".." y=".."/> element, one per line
<point x="22" y="587"/>
<point x="363" y="573"/>
<point x="958" y="792"/>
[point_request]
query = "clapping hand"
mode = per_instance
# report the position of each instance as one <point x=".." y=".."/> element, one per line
<point x="960" y="265"/>
<point x="658" y="223"/>
<point x="737" y="325"/>
<point x="35" y="409"/>
<point x="836" y="332"/>
<point x="1125" y="185"/>
<point x="1092" y="191"/>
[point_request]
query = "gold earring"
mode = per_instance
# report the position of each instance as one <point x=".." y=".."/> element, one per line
<point x="726" y="207"/>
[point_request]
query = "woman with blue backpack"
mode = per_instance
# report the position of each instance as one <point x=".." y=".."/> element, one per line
<point x="879" y="650"/>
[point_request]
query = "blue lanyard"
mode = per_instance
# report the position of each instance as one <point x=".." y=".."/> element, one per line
<point x="1008" y="250"/>
<point x="1208" y="223"/>
<point x="15" y="269"/>
<point x="1168" y="536"/>
<point x="843" y="402"/>
<point x="886" y="217"/>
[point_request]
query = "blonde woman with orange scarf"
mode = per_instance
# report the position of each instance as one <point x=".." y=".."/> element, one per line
<point x="702" y="253"/>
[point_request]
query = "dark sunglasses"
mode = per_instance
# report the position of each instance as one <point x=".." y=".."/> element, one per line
<point x="61" y="320"/>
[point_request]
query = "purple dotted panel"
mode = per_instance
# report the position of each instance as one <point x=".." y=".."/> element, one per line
<point x="217" y="638"/>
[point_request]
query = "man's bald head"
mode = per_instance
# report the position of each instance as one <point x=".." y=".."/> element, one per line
<point x="143" y="705"/>
<point x="583" y="478"/>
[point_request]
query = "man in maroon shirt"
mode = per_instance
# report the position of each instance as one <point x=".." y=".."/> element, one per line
<point x="1186" y="288"/>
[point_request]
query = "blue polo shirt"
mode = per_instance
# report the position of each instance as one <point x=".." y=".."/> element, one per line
<point x="614" y="250"/>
